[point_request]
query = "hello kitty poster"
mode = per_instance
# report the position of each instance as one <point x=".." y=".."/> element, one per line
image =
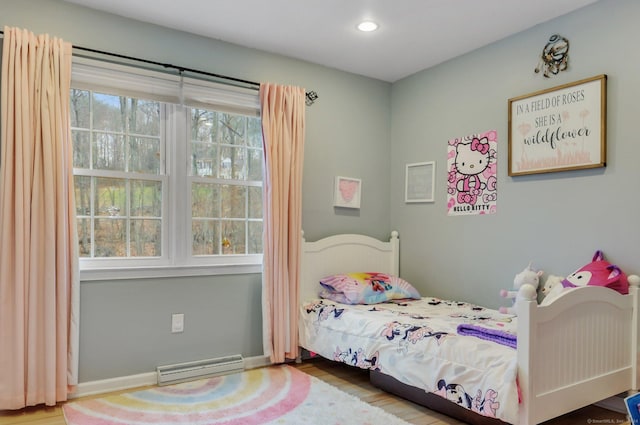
<point x="472" y="174"/>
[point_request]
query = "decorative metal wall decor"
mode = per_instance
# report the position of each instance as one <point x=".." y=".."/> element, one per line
<point x="555" y="56"/>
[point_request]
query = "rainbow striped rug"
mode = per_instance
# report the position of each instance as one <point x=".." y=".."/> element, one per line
<point x="273" y="395"/>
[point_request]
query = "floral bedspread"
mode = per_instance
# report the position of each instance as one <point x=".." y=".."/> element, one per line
<point x="417" y="343"/>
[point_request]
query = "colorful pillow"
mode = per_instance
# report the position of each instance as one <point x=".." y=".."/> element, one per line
<point x="366" y="288"/>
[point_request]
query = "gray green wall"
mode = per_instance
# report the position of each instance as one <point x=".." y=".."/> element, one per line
<point x="556" y="220"/>
<point x="125" y="325"/>
<point x="370" y="129"/>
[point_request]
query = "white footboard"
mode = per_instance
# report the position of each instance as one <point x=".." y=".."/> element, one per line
<point x="578" y="350"/>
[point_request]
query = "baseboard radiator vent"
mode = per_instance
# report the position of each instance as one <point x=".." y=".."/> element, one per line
<point x="182" y="372"/>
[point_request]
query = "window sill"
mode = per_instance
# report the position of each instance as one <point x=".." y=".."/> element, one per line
<point x="146" y="272"/>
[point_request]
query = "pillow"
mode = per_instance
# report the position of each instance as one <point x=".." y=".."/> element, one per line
<point x="599" y="272"/>
<point x="366" y="288"/>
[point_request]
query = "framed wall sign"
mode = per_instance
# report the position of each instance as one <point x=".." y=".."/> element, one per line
<point x="347" y="192"/>
<point x="558" y="129"/>
<point x="419" y="182"/>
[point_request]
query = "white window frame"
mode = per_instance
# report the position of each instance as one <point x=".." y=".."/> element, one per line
<point x="176" y="92"/>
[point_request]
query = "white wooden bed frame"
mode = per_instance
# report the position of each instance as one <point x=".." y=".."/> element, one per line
<point x="580" y="349"/>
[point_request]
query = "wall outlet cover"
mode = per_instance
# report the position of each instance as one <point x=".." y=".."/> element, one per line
<point x="177" y="322"/>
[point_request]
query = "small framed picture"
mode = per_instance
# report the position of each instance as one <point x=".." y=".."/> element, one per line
<point x="419" y="182"/>
<point x="347" y="192"/>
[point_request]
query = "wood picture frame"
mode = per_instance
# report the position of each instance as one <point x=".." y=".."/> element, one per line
<point x="558" y="129"/>
<point x="419" y="183"/>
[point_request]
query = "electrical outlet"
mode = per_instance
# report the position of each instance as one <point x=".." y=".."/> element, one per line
<point x="177" y="322"/>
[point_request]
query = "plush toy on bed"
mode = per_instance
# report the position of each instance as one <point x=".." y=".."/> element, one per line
<point x="528" y="276"/>
<point x="552" y="286"/>
<point x="599" y="272"/>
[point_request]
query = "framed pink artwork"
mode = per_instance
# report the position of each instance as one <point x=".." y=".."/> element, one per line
<point x="347" y="192"/>
<point x="472" y="167"/>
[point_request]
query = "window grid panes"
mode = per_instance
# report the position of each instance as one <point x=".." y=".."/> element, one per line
<point x="122" y="180"/>
<point x="226" y="183"/>
<point x="119" y="177"/>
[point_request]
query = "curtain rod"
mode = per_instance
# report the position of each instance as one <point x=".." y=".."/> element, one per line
<point x="310" y="96"/>
<point x="180" y="69"/>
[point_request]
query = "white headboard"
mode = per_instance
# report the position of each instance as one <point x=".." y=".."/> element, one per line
<point x="345" y="254"/>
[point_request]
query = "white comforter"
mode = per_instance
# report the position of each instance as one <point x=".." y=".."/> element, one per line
<point x="417" y="343"/>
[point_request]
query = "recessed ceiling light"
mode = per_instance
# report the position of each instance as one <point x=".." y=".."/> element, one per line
<point x="367" y="26"/>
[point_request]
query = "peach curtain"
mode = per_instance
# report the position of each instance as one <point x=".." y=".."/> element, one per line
<point x="283" y="125"/>
<point x="38" y="250"/>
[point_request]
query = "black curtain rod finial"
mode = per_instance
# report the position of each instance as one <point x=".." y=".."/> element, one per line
<point x="310" y="97"/>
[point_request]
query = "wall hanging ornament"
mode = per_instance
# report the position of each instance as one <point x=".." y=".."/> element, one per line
<point x="555" y="56"/>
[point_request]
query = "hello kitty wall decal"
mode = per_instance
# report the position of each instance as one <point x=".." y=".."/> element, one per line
<point x="472" y="164"/>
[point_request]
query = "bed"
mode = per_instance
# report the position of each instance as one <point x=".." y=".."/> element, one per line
<point x="578" y="350"/>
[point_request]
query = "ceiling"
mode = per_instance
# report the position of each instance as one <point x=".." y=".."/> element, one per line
<point x="413" y="34"/>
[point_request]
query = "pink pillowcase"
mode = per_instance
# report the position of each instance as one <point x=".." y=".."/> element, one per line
<point x="366" y="288"/>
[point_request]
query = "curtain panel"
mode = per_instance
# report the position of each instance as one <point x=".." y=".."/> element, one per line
<point x="38" y="245"/>
<point x="283" y="130"/>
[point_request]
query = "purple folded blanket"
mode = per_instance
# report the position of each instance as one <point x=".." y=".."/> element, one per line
<point x="495" y="335"/>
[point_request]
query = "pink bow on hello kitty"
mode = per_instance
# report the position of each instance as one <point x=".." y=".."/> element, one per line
<point x="477" y="145"/>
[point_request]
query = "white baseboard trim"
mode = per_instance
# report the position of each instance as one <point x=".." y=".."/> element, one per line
<point x="115" y="384"/>
<point x="256" y="362"/>
<point x="143" y="379"/>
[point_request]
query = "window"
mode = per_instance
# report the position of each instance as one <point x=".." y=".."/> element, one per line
<point x="119" y="175"/>
<point x="167" y="174"/>
<point x="226" y="183"/>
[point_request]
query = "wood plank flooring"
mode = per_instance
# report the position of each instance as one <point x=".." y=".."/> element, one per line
<point x="356" y="382"/>
<point x="350" y="380"/>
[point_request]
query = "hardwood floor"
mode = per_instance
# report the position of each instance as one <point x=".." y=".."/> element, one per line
<point x="356" y="382"/>
<point x="353" y="381"/>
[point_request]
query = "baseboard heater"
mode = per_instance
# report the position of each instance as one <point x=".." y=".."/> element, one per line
<point x="182" y="372"/>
